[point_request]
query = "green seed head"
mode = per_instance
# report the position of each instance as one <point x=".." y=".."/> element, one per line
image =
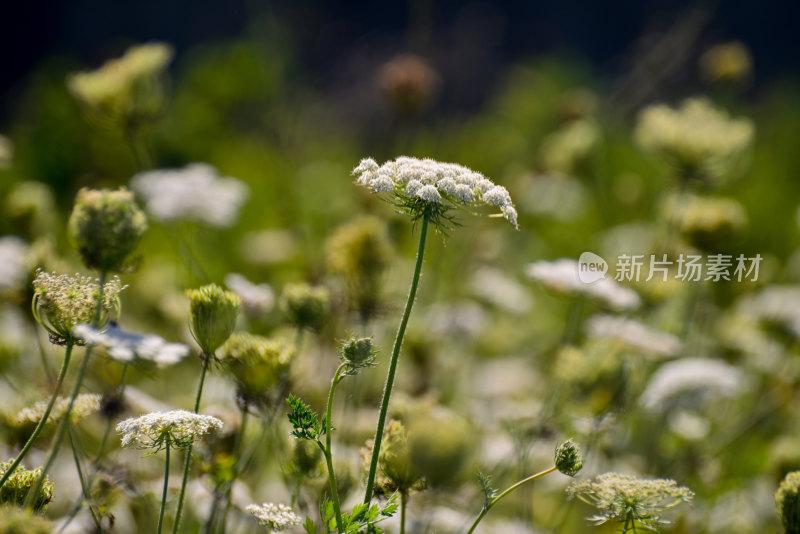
<point x="787" y="500"/>
<point x="305" y="306"/>
<point x="212" y="316"/>
<point x="568" y="458"/>
<point x="106" y="227"/>
<point x="22" y="480"/>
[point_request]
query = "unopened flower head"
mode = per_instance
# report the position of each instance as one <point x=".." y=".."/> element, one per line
<point x="61" y="302"/>
<point x="106" y="227"/>
<point x="127" y="90"/>
<point x="689" y="381"/>
<point x="787" y="500"/>
<point x="418" y="186"/>
<point x="630" y="500"/>
<point x="177" y="429"/>
<point x="212" y="316"/>
<point x="633" y="334"/>
<point x="568" y="458"/>
<point x="561" y="276"/>
<point x="258" y="364"/>
<point x="729" y="62"/>
<point x="125" y="346"/>
<point x="195" y="193"/>
<point x="20" y="483"/>
<point x="357" y="353"/>
<point x="395" y="469"/>
<point x="85" y="405"/>
<point x="305" y="306"/>
<point x="700" y="140"/>
<point x="275" y="517"/>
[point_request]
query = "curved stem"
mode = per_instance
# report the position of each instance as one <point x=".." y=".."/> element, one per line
<point x="506" y="492"/>
<point x="398" y="342"/>
<point x="164" y="493"/>
<point x="43" y="421"/>
<point x="187" y="464"/>
<point x="327" y="449"/>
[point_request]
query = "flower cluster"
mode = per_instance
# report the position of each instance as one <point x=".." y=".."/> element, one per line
<point x="16" y="488"/>
<point x="630" y="500"/>
<point x="395" y="470"/>
<point x="274" y="516"/>
<point x="212" y="316"/>
<point x="787" y="501"/>
<point x="561" y="276"/>
<point x="699" y="139"/>
<point x="692" y="377"/>
<point x="125" y="89"/>
<point x="257" y="364"/>
<point x="124" y="346"/>
<point x="61" y="302"/>
<point x="177" y="428"/>
<point x="633" y="334"/>
<point x="417" y="185"/>
<point x="85" y="404"/>
<point x="196" y="193"/>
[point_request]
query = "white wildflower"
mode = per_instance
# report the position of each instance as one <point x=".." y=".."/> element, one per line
<point x="691" y="380"/>
<point x="499" y="289"/>
<point x="12" y="262"/>
<point x="196" y="192"/>
<point x="433" y="182"/>
<point x="274" y="516"/>
<point x="124" y="346"/>
<point x="562" y="276"/>
<point x="256" y="298"/>
<point x="85" y="405"/>
<point x="634" y="334"/>
<point x="178" y="427"/>
<point x="775" y="305"/>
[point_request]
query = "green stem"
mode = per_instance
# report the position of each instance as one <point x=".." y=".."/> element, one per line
<point x="188" y="462"/>
<point x="237" y="447"/>
<point x="403" y="501"/>
<point x="83" y="480"/>
<point x="506" y="492"/>
<point x="327" y="449"/>
<point x="387" y="390"/>
<point x="573" y="320"/>
<point x="43" y="421"/>
<point x="164" y="493"/>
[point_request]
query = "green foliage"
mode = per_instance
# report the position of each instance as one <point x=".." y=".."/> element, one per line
<point x="305" y="423"/>
<point x="488" y="491"/>
<point x="362" y="520"/>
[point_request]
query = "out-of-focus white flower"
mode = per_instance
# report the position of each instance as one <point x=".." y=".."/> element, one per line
<point x="561" y="276"/>
<point x="457" y="319"/>
<point x="634" y="334"/>
<point x="12" y="262"/>
<point x="690" y="426"/>
<point x="743" y="510"/>
<point x="497" y="288"/>
<point x="154" y="429"/>
<point x="412" y="180"/>
<point x="274" y="516"/>
<point x="85" y="405"/>
<point x="256" y="298"/>
<point x="124" y="346"/>
<point x="778" y="305"/>
<point x="197" y="192"/>
<point x="693" y="378"/>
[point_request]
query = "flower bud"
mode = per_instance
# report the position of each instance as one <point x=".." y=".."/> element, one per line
<point x="106" y="227"/>
<point x="258" y="364"/>
<point x="20" y="483"/>
<point x="568" y="458"/>
<point x="787" y="500"/>
<point x="212" y="316"/>
<point x="357" y="353"/>
<point x="395" y="469"/>
<point x="305" y="306"/>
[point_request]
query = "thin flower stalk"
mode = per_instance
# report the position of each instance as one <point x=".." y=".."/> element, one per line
<point x="387" y="391"/>
<point x="166" y="486"/>
<point x="43" y="421"/>
<point x="326" y="450"/>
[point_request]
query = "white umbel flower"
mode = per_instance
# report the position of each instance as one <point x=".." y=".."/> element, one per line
<point x="274" y="516"/>
<point x="633" y="334"/>
<point x="434" y="182"/>
<point x="181" y="428"/>
<point x="691" y="380"/>
<point x="12" y="262"/>
<point x="124" y="346"/>
<point x="197" y="192"/>
<point x="561" y="276"/>
<point x="256" y="298"/>
<point x="85" y="405"/>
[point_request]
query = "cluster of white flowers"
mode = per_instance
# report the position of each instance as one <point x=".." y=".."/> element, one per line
<point x="256" y="298"/>
<point x="197" y="192"/>
<point x="125" y="346"/>
<point x="562" y="276"/>
<point x="699" y="378"/>
<point x="634" y="334"/>
<point x="178" y="426"/>
<point x="85" y="405"/>
<point x="12" y="262"/>
<point x="434" y="182"/>
<point x="274" y="516"/>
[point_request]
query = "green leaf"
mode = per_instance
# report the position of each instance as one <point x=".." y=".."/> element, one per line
<point x="309" y="526"/>
<point x="304" y="421"/>
<point x="489" y="492"/>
